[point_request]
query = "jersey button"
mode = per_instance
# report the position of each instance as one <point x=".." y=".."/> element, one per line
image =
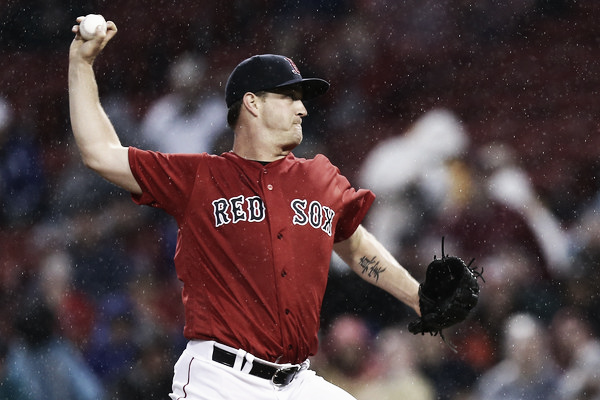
<point x="283" y="273"/>
<point x="270" y="187"/>
<point x="287" y="311"/>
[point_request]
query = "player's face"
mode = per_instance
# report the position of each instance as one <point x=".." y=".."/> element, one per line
<point x="282" y="117"/>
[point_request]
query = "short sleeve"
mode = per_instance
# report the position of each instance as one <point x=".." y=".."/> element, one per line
<point x="356" y="204"/>
<point x="352" y="204"/>
<point x="166" y="180"/>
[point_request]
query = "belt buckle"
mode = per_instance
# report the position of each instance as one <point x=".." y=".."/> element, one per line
<point x="283" y="376"/>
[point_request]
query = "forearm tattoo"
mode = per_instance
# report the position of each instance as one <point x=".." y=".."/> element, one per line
<point x="371" y="267"/>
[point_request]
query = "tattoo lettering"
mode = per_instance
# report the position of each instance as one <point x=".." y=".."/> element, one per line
<point x="371" y="267"/>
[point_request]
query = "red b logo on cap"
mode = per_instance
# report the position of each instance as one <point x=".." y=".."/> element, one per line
<point x="295" y="69"/>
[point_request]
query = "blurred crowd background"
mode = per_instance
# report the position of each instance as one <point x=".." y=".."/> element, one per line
<point x="473" y="120"/>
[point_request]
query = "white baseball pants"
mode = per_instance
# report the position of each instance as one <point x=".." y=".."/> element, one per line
<point x="198" y="377"/>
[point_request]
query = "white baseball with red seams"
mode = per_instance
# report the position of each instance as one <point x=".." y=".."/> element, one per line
<point x="87" y="27"/>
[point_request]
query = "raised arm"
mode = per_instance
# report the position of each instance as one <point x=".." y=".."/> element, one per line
<point x="98" y="143"/>
<point x="369" y="259"/>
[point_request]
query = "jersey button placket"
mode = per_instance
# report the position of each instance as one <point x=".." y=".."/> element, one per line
<point x="269" y="186"/>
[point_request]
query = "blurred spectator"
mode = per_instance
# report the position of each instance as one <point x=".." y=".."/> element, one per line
<point x="152" y="374"/>
<point x="510" y="185"/>
<point x="410" y="175"/>
<point x="42" y="363"/>
<point x="528" y="370"/>
<point x="397" y="374"/>
<point x="578" y="351"/>
<point x="74" y="310"/>
<point x="191" y="117"/>
<point x="428" y="186"/>
<point x="492" y="208"/>
<point x="452" y="375"/>
<point x="585" y="237"/>
<point x="11" y="387"/>
<point x="582" y="285"/>
<point x="347" y="360"/>
<point x="123" y="115"/>
<point x="22" y="181"/>
<point x="157" y="306"/>
<point x="509" y="278"/>
<point x="114" y="348"/>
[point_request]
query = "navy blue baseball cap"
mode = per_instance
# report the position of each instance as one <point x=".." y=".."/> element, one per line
<point x="267" y="72"/>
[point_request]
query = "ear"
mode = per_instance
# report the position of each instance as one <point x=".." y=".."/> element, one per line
<point x="250" y="102"/>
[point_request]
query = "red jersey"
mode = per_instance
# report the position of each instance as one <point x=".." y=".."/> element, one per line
<point x="254" y="243"/>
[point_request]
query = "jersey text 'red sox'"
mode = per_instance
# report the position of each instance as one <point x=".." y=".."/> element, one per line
<point x="252" y="209"/>
<point x="256" y="237"/>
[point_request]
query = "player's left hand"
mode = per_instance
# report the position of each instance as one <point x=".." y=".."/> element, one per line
<point x="447" y="296"/>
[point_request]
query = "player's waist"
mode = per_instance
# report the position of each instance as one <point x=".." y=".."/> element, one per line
<point x="241" y="360"/>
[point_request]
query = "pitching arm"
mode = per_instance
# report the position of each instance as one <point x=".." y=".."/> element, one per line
<point x="98" y="143"/>
<point x="370" y="260"/>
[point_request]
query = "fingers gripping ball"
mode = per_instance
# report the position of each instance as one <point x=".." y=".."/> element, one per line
<point x="87" y="27"/>
<point x="448" y="294"/>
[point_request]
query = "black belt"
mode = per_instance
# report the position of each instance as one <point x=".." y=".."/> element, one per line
<point x="278" y="376"/>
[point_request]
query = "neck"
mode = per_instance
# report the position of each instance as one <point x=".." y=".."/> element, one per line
<point x="251" y="148"/>
<point x="261" y="156"/>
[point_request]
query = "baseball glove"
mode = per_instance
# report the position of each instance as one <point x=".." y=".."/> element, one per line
<point x="450" y="291"/>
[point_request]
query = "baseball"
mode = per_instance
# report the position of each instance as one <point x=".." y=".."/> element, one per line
<point x="87" y="27"/>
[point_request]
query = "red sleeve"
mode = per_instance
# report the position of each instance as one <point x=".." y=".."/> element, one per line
<point x="166" y="179"/>
<point x="354" y="203"/>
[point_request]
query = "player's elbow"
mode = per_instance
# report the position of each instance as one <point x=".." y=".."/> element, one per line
<point x="102" y="159"/>
<point x="92" y="161"/>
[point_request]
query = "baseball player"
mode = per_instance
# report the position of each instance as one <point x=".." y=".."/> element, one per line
<point x="257" y="227"/>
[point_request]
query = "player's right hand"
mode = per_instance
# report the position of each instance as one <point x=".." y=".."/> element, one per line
<point x="88" y="50"/>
